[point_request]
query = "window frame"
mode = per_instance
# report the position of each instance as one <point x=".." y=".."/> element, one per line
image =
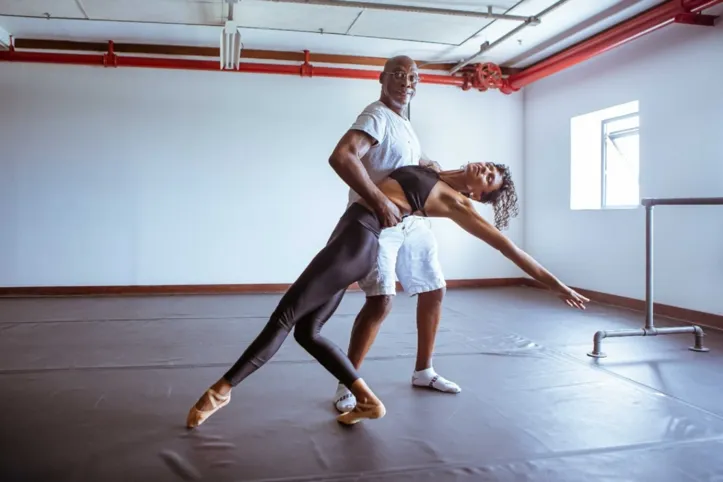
<point x="604" y="158"/>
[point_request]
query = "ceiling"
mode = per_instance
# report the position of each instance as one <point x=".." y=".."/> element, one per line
<point x="347" y="30"/>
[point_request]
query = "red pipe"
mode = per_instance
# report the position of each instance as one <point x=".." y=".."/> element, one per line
<point x="189" y="64"/>
<point x="637" y="26"/>
<point x="111" y="59"/>
<point x="75" y="59"/>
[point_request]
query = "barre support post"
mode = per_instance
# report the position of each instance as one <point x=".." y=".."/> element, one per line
<point x="649" y="329"/>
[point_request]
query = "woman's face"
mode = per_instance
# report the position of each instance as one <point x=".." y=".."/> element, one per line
<point x="483" y="178"/>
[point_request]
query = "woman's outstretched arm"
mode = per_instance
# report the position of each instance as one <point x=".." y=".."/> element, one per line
<point x="462" y="211"/>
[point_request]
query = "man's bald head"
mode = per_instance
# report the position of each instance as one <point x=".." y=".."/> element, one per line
<point x="399" y="61"/>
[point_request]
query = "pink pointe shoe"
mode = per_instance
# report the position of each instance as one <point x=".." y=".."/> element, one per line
<point x="361" y="411"/>
<point x="196" y="417"/>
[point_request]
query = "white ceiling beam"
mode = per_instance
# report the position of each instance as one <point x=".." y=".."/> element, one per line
<point x="409" y="8"/>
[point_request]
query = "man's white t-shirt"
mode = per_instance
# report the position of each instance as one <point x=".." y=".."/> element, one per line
<point x="396" y="143"/>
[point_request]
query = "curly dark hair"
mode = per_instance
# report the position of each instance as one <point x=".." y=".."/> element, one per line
<point x="503" y="200"/>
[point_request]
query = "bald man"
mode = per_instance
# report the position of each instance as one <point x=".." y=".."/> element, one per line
<point x="379" y="141"/>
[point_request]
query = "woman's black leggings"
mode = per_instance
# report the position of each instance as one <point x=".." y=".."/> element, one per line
<point x="347" y="257"/>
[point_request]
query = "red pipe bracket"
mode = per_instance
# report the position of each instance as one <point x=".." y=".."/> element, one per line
<point x="696" y="19"/>
<point x="110" y="59"/>
<point x="306" y="69"/>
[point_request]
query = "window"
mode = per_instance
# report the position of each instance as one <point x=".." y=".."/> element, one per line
<point x="605" y="158"/>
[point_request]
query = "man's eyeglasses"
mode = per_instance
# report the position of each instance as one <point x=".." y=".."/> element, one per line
<point x="412" y="77"/>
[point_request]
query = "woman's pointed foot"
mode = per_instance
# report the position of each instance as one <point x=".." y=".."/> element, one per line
<point x="209" y="403"/>
<point x="362" y="410"/>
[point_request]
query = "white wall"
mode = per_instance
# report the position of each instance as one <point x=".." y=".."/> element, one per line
<point x="136" y="177"/>
<point x="676" y="75"/>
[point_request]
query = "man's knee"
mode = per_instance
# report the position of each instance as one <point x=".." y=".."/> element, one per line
<point x="375" y="309"/>
<point x="432" y="297"/>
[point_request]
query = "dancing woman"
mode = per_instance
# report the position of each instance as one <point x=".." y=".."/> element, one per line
<point x="350" y="254"/>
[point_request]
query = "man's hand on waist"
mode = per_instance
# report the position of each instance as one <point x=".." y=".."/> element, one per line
<point x="387" y="212"/>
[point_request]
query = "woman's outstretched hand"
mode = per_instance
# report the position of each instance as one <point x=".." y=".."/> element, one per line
<point x="573" y="298"/>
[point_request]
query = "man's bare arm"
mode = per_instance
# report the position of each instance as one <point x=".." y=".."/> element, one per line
<point x="346" y="162"/>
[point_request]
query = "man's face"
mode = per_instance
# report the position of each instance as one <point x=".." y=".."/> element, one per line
<point x="399" y="81"/>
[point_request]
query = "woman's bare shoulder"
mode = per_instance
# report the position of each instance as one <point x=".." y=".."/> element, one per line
<point x="443" y="199"/>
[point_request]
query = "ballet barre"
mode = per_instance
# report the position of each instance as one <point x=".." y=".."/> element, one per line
<point x="650" y="329"/>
